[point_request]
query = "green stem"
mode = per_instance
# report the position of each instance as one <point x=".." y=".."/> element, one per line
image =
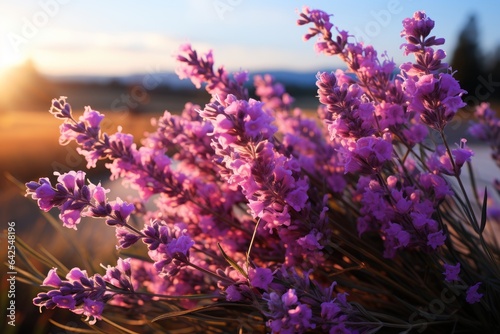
<point x="469" y="211"/>
<point x="203" y="270"/>
<point x="251" y="242"/>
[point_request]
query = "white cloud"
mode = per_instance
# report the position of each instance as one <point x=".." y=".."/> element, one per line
<point x="72" y="52"/>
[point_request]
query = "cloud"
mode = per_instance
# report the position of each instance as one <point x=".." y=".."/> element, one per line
<point x="76" y="52"/>
<point x="61" y="52"/>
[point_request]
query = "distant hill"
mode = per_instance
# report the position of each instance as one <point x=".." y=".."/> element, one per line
<point x="30" y="90"/>
<point x="170" y="79"/>
<point x="165" y="90"/>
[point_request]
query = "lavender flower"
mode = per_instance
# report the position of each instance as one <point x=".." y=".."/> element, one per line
<point x="52" y="279"/>
<point x="267" y="206"/>
<point x="436" y="99"/>
<point x="200" y="70"/>
<point x="472" y="296"/>
<point x="119" y="276"/>
<point x="436" y="239"/>
<point x="487" y="129"/>
<point x="416" y="31"/>
<point x="243" y="137"/>
<point x="451" y="272"/>
<point x="287" y="314"/>
<point x="75" y="199"/>
<point x="70" y="195"/>
<point x="78" y="293"/>
<point x="260" y="277"/>
<point x="367" y="155"/>
<point x="168" y="247"/>
<point x="351" y="117"/>
<point x="272" y="93"/>
<point x="322" y="26"/>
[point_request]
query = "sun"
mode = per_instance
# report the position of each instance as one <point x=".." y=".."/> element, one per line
<point x="8" y="64"/>
<point x="9" y="60"/>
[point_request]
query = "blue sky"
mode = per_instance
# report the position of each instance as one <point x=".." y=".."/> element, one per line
<point x="66" y="37"/>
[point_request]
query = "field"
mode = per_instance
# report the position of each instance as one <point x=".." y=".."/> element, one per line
<point x="30" y="150"/>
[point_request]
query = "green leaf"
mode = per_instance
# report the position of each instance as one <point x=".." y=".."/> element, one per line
<point x="184" y="312"/>
<point x="71" y="329"/>
<point x="232" y="262"/>
<point x="202" y="309"/>
<point x="483" y="211"/>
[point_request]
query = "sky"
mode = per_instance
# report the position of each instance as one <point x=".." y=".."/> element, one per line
<point x="113" y="38"/>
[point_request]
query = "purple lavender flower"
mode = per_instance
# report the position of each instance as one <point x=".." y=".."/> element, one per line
<point x="436" y="239"/>
<point x="243" y="140"/>
<point x="351" y="117"/>
<point x="92" y="309"/>
<point x="451" y="272"/>
<point x="70" y="195"/>
<point x="322" y="26"/>
<point x="416" y="31"/>
<point x="367" y="155"/>
<point x="435" y="98"/>
<point x="168" y="246"/>
<point x="86" y="132"/>
<point x="272" y="93"/>
<point x="233" y="294"/>
<point x="300" y="317"/>
<point x="440" y="162"/>
<point x="187" y="135"/>
<point x="119" y="276"/>
<point x="75" y="199"/>
<point x="60" y="108"/>
<point x="145" y="169"/>
<point x="52" y="279"/>
<point x="260" y="277"/>
<point x="200" y="70"/>
<point x="291" y="310"/>
<point x="78" y="293"/>
<point x="64" y="302"/>
<point x="45" y="195"/>
<point x="472" y="296"/>
<point x="311" y="241"/>
<point x="396" y="231"/>
<point x="287" y="314"/>
<point x="435" y="185"/>
<point x="125" y="237"/>
<point x="330" y="310"/>
<point x="487" y="129"/>
<point x="121" y="212"/>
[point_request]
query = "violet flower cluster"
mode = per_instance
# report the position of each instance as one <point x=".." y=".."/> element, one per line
<point x="317" y="226"/>
<point x="82" y="294"/>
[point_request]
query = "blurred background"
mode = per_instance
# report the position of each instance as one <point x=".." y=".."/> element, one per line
<point x="116" y="56"/>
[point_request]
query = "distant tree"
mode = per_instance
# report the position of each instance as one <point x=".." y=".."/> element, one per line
<point x="24" y="88"/>
<point x="467" y="57"/>
<point x="494" y="70"/>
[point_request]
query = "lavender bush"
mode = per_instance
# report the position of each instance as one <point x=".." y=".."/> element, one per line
<point x="269" y="220"/>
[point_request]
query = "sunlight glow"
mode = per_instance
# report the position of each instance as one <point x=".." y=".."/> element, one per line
<point x="9" y="60"/>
